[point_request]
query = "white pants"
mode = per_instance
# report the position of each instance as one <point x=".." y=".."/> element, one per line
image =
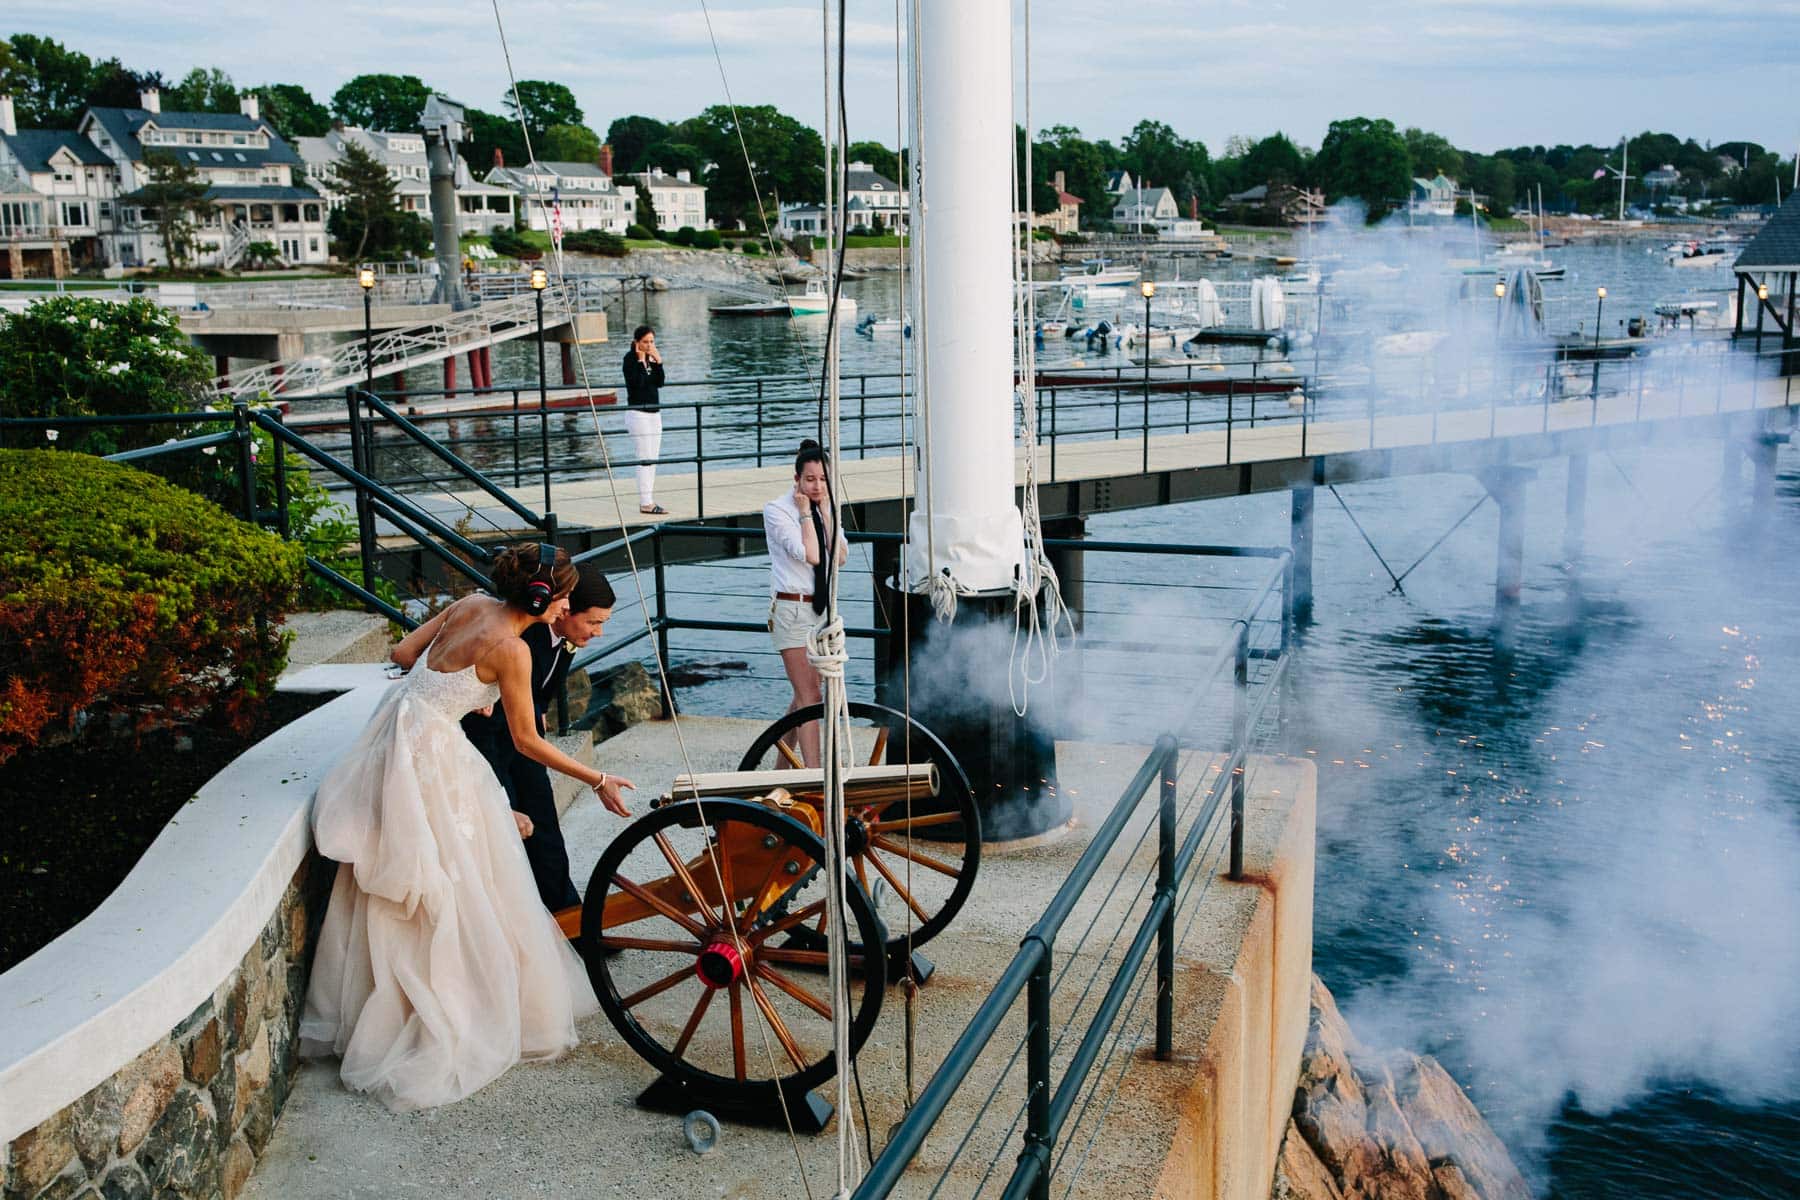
<point x="645" y="429"/>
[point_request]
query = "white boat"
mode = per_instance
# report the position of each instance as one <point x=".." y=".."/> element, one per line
<point x="816" y="301"/>
<point x="1100" y="273"/>
<point x="1701" y="254"/>
<point x="874" y="326"/>
<point x="1133" y="336"/>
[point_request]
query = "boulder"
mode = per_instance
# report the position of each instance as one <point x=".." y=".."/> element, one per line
<point x="622" y="697"/>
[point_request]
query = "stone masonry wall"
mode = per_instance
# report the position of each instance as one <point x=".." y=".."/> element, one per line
<point x="188" y="1116"/>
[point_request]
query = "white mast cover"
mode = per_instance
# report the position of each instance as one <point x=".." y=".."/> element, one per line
<point x="972" y="527"/>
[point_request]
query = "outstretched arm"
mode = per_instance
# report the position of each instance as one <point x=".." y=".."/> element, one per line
<point x="511" y="661"/>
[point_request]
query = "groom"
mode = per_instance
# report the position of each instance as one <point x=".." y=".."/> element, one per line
<point x="527" y="783"/>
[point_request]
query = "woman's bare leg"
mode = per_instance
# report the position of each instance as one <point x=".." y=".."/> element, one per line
<point x="800" y="673"/>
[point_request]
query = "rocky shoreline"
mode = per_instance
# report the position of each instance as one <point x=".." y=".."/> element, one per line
<point x="1384" y="1125"/>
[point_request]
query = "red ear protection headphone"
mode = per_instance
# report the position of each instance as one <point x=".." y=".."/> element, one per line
<point x="542" y="588"/>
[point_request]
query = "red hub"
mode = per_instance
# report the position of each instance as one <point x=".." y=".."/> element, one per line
<point x="719" y="965"/>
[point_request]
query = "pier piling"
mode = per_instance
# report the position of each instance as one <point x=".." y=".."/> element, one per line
<point x="1575" y="509"/>
<point x="1507" y="486"/>
<point x="1300" y="537"/>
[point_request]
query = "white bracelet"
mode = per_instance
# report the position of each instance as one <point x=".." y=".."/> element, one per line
<point x="602" y="783"/>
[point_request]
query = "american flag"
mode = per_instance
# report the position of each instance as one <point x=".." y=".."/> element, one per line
<point x="556" y="214"/>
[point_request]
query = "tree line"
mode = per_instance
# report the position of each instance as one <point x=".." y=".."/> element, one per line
<point x="1361" y="158"/>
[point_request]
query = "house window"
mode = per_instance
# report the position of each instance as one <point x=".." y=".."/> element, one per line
<point x="312" y="214"/>
<point x="74" y="214"/>
<point x="290" y="213"/>
<point x="238" y="139"/>
<point x="312" y="245"/>
<point x="262" y="214"/>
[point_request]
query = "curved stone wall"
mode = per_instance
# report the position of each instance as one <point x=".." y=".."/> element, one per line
<point x="149" y="1049"/>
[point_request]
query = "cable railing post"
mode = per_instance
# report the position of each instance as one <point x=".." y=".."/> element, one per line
<point x="365" y="518"/>
<point x="1231" y="415"/>
<point x="862" y="416"/>
<point x="699" y="462"/>
<point x="1240" y="740"/>
<point x="1052" y="435"/>
<point x="1037" y="1074"/>
<point x="281" y="481"/>
<point x="515" y="438"/>
<point x="759" y="422"/>
<point x="1165" y="887"/>
<point x="246" y="459"/>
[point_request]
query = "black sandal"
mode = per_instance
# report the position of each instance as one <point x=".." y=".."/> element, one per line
<point x="654" y="510"/>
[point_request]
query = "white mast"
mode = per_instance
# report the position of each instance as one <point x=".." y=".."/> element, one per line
<point x="967" y="523"/>
<point x="1624" y="166"/>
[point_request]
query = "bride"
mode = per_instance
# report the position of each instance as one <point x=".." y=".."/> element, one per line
<point x="438" y="967"/>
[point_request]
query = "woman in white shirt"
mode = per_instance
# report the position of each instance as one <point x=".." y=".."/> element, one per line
<point x="797" y="525"/>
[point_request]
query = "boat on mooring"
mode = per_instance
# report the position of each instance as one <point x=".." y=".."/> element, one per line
<point x="816" y="301"/>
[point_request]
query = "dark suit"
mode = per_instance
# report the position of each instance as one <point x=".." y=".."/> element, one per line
<point x="527" y="782"/>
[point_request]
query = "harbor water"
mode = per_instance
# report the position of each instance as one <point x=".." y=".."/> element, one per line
<point x="1573" y="875"/>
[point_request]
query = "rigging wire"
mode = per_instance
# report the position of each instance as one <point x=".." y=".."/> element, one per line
<point x="643" y="600"/>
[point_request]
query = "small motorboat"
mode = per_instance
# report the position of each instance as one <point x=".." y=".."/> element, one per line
<point x="816" y="301"/>
<point x="874" y="326"/>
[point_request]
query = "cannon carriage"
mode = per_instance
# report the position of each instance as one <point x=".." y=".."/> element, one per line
<point x="704" y="923"/>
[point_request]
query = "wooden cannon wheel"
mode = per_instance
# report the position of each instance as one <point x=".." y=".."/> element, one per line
<point x="705" y="987"/>
<point x="914" y="858"/>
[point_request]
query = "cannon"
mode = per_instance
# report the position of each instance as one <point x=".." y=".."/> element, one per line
<point x="703" y="928"/>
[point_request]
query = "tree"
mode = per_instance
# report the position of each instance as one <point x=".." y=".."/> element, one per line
<point x="1366" y="159"/>
<point x="878" y="156"/>
<point x="489" y="132"/>
<point x="1157" y="154"/>
<point x="51" y="81"/>
<point x="1084" y="168"/>
<point x="789" y="158"/>
<point x="369" y="223"/>
<point x="1432" y="154"/>
<point x="646" y="211"/>
<point x="292" y="112"/>
<point x="174" y="199"/>
<point x="570" y="143"/>
<point x="542" y="104"/>
<point x="1274" y="160"/>
<point x="631" y="139"/>
<point x="389" y="102"/>
<point x="203" y="89"/>
<point x="114" y="85"/>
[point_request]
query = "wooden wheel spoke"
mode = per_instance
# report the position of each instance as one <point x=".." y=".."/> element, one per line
<point x="610" y="942"/>
<point x="686" y="876"/>
<point x="776" y="1025"/>
<point x="799" y="917"/>
<point x="803" y="958"/>
<point x="688" y="1030"/>
<point x="893" y="882"/>
<point x="795" y="990"/>
<point x="656" y="989"/>
<point x="881" y="741"/>
<point x="737" y="1030"/>
<point x="640" y="892"/>
<point x="902" y="824"/>
<point x="754" y="908"/>
<point x="793" y="758"/>
<point x="924" y="860"/>
<point x="727" y="893"/>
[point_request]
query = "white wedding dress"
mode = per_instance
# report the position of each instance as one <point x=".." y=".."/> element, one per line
<point x="438" y="967"/>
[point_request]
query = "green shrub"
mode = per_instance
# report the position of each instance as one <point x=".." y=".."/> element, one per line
<point x="72" y="356"/>
<point x="638" y="233"/>
<point x="708" y="239"/>
<point x="684" y="236"/>
<point x="595" y="241"/>
<point x="122" y="595"/>
<point x="753" y="248"/>
<point x="510" y="244"/>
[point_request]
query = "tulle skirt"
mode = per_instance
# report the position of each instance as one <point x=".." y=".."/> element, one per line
<point x="438" y="967"/>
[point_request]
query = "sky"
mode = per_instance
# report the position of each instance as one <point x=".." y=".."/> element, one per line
<point x="1484" y="73"/>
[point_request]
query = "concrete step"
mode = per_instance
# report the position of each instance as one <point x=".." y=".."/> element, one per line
<point x="339" y="636"/>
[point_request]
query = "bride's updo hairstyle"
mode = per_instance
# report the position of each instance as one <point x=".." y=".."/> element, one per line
<point x="517" y="566"/>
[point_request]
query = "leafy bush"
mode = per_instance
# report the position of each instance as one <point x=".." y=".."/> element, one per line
<point x="708" y="239"/>
<point x="595" y="241"/>
<point x="684" y="236"/>
<point x="71" y="356"/>
<point x="261" y="254"/>
<point x="510" y="244"/>
<point x="638" y="233"/>
<point x="753" y="248"/>
<point x="122" y="595"/>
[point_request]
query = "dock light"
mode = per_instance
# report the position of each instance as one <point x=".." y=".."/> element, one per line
<point x="1762" y="297"/>
<point x="1148" y="287"/>
<point x="365" y="278"/>
<point x="1499" y="291"/>
<point x="1762" y="291"/>
<point x="1600" y="292"/>
<point x="540" y="279"/>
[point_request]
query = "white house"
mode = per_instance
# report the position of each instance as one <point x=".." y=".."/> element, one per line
<point x="1119" y="182"/>
<point x="1144" y="209"/>
<point x="800" y="220"/>
<point x="481" y="207"/>
<point x="579" y="195"/>
<point x="1434" y="197"/>
<point x="248" y="170"/>
<point x="873" y="200"/>
<point x="678" y="199"/>
<point x="58" y="189"/>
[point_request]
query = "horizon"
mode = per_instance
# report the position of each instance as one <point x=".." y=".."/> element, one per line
<point x="1415" y="76"/>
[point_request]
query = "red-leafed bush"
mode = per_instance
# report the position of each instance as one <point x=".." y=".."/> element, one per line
<point x="125" y="596"/>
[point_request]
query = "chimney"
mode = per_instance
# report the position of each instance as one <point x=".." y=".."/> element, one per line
<point x="150" y="100"/>
<point x="684" y="175"/>
<point x="248" y="105"/>
<point x="1060" y="188"/>
<point x="499" y="158"/>
<point x="605" y="160"/>
<point x="8" y="124"/>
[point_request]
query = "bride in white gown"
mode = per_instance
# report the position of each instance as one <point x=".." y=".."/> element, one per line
<point x="438" y="967"/>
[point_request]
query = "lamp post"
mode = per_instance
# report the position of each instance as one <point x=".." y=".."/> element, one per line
<point x="1599" y="307"/>
<point x="1148" y="287"/>
<point x="1762" y="296"/>
<point x="540" y="279"/>
<point x="365" y="278"/>
<point x="1499" y="307"/>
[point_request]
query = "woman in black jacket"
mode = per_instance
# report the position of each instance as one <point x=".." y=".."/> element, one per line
<point x="643" y="416"/>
